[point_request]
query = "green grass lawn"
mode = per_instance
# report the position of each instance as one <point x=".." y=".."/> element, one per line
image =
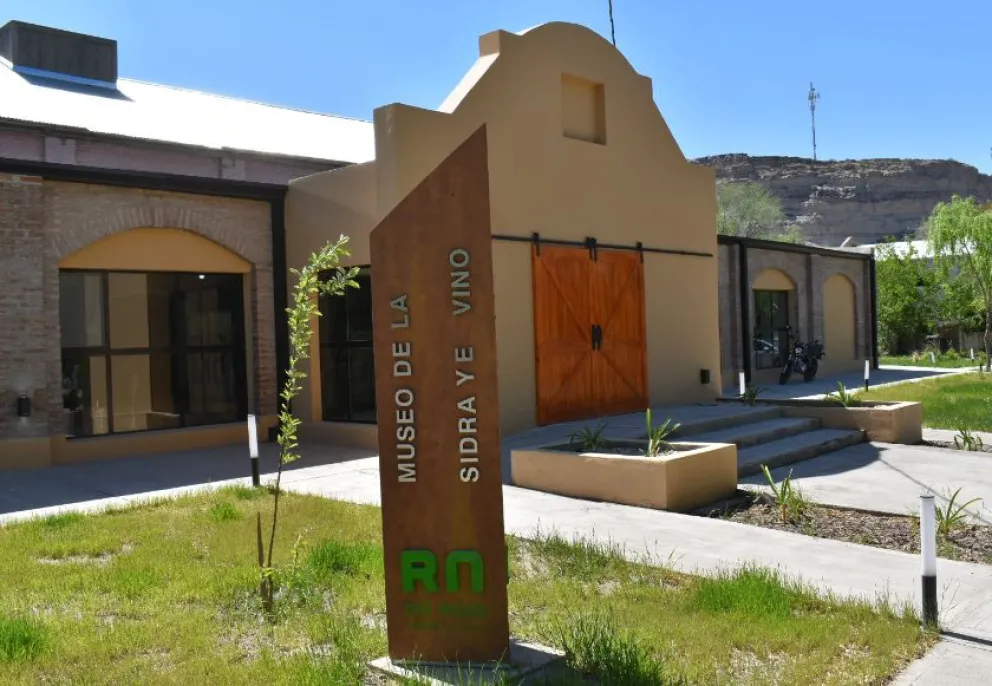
<point x="164" y="593"/>
<point x="950" y="402"/>
<point x="941" y="361"/>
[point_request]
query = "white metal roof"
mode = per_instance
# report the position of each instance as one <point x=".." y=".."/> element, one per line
<point x="174" y="115"/>
<point x="900" y="248"/>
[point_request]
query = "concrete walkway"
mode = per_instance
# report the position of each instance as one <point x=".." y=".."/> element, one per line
<point x="891" y="478"/>
<point x="952" y="662"/>
<point x="883" y="376"/>
<point x="109" y="483"/>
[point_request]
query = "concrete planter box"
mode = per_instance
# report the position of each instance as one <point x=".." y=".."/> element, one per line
<point x="694" y="474"/>
<point x="883" y="422"/>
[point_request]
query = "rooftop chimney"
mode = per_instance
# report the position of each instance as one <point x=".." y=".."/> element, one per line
<point x="45" y="52"/>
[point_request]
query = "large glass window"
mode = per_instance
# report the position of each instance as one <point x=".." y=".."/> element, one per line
<point x="771" y="334"/>
<point x="346" y="367"/>
<point x="144" y="351"/>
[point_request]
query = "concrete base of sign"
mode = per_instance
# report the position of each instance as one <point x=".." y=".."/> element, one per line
<point x="527" y="660"/>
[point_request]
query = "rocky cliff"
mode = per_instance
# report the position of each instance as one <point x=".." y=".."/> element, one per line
<point x="867" y="200"/>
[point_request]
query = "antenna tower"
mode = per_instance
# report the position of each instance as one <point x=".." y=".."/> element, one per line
<point x="813" y="96"/>
<point x="613" y="33"/>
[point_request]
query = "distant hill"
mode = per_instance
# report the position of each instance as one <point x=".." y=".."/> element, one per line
<point x="865" y="199"/>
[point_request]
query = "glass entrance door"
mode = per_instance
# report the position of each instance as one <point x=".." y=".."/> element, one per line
<point x="771" y="328"/>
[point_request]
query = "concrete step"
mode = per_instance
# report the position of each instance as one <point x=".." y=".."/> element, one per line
<point x="794" y="449"/>
<point x="733" y="416"/>
<point x="755" y="433"/>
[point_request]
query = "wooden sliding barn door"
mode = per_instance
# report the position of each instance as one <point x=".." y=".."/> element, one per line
<point x="590" y="339"/>
<point x="617" y="308"/>
<point x="562" y="333"/>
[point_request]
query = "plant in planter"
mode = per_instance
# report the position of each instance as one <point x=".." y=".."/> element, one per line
<point x="750" y="395"/>
<point x="966" y="440"/>
<point x="792" y="504"/>
<point x="842" y="396"/>
<point x="658" y="435"/>
<point x="953" y="514"/>
<point x="589" y="438"/>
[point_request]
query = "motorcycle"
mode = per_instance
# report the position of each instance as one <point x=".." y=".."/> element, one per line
<point x="804" y="359"/>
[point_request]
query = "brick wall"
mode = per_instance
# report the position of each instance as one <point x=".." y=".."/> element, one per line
<point x="23" y="334"/>
<point x="42" y="222"/>
<point x="117" y="153"/>
<point x="730" y="318"/>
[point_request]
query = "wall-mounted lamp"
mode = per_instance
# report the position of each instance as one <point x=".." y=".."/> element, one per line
<point x="704" y="376"/>
<point x="24" y="406"/>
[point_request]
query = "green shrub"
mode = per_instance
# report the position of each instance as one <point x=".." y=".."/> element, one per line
<point x="842" y="397"/>
<point x="589" y="438"/>
<point x="658" y="435"/>
<point x="792" y="504"/>
<point x="954" y="514"/>
<point x="967" y="440"/>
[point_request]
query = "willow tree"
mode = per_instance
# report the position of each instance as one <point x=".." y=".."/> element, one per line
<point x="960" y="236"/>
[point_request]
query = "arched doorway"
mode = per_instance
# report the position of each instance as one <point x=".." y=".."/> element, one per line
<point x="153" y="333"/>
<point x="774" y="305"/>
<point x="839" y="324"/>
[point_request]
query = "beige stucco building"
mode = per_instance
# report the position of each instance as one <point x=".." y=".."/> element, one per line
<point x="605" y="250"/>
<point x="144" y="263"/>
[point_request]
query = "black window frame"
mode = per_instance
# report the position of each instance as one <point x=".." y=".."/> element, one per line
<point x="180" y="353"/>
<point x="782" y="333"/>
<point x="347" y="344"/>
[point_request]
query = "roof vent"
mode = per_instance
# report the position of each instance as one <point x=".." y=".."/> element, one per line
<point x="50" y="53"/>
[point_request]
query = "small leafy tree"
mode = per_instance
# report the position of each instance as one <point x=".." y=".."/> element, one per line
<point x="961" y="304"/>
<point x="749" y="210"/>
<point x="309" y="286"/>
<point x="908" y="298"/>
<point x="960" y="236"/>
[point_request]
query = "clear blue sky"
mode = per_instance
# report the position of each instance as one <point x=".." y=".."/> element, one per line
<point x="897" y="78"/>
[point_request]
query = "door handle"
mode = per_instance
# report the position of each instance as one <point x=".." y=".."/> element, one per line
<point x="597" y="337"/>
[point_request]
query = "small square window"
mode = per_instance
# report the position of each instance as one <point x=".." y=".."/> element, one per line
<point x="583" y="109"/>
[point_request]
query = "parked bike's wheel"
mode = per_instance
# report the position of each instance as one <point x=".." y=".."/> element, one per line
<point x="810" y="372"/>
<point x="783" y="378"/>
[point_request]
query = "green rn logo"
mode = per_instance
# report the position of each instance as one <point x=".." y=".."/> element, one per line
<point x="420" y="566"/>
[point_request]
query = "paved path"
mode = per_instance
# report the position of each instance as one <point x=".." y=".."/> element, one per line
<point x="890" y="478"/>
<point x="97" y="485"/>
<point x="885" y="375"/>
<point x="952" y="662"/>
